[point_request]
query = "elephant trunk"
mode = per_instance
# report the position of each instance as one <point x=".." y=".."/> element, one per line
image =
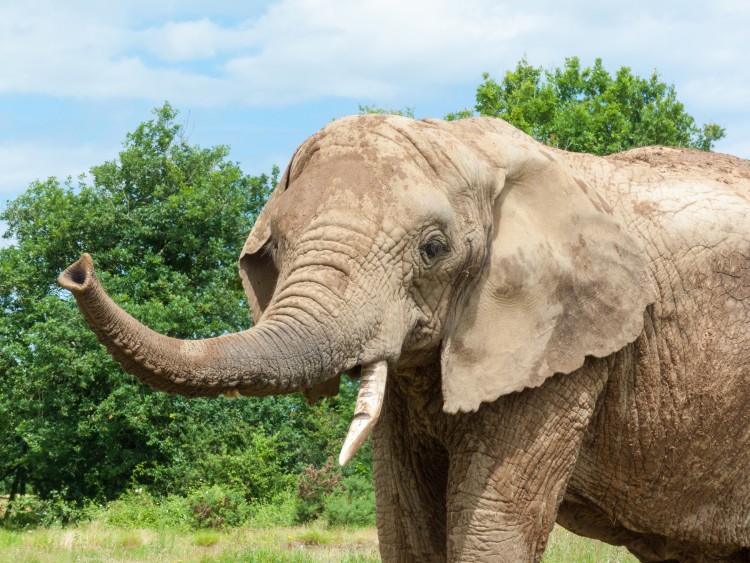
<point x="271" y="358"/>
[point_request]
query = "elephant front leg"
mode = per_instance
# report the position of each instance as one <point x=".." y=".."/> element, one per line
<point x="411" y="472"/>
<point x="510" y="463"/>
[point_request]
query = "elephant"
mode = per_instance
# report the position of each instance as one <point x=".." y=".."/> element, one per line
<point x="540" y="336"/>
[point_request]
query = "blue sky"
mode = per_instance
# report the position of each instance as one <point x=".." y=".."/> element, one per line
<point x="75" y="76"/>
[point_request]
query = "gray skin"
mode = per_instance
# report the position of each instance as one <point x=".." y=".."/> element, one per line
<point x="566" y="336"/>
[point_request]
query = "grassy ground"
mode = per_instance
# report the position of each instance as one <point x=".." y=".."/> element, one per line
<point x="95" y="541"/>
<point x="564" y="547"/>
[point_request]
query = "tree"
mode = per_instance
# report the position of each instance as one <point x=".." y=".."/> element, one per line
<point x="588" y="110"/>
<point x="165" y="223"/>
<point x="404" y="112"/>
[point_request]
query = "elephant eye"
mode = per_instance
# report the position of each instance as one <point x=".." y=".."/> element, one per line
<point x="431" y="250"/>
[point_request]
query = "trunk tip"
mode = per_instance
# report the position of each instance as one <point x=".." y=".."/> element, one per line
<point x="77" y="277"/>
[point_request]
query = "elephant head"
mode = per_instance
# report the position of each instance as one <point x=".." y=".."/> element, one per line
<point x="395" y="242"/>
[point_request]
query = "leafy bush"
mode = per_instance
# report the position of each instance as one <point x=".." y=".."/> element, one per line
<point x="280" y="511"/>
<point x="352" y="504"/>
<point x="139" y="509"/>
<point x="314" y="485"/>
<point x="253" y="463"/>
<point x="29" y="511"/>
<point x="219" y="507"/>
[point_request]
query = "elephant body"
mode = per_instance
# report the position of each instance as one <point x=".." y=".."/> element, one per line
<point x="662" y="468"/>
<point x="659" y="463"/>
<point x="542" y="336"/>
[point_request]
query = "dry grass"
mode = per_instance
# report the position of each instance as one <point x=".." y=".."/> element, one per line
<point x="98" y="542"/>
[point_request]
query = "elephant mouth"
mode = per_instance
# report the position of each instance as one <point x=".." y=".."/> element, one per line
<point x="367" y="409"/>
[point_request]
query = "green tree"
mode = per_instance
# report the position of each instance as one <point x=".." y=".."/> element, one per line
<point x="405" y="112"/>
<point x="589" y="110"/>
<point x="164" y="222"/>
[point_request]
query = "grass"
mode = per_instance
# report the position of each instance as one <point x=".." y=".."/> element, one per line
<point x="98" y="541"/>
<point x="564" y="547"/>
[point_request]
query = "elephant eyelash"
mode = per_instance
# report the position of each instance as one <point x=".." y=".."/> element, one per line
<point x="431" y="250"/>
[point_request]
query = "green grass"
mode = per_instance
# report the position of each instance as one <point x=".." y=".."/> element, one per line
<point x="564" y="547"/>
<point x="99" y="541"/>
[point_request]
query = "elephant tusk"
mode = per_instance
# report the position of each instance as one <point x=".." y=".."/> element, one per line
<point x="367" y="410"/>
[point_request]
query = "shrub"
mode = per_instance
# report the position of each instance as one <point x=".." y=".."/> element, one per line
<point x="219" y="507"/>
<point x="29" y="511"/>
<point x="139" y="509"/>
<point x="280" y="511"/>
<point x="353" y="504"/>
<point x="314" y="485"/>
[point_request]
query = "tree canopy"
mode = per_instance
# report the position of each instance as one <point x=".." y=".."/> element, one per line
<point x="589" y="110"/>
<point x="165" y="223"/>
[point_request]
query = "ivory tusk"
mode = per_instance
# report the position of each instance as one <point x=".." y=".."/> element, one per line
<point x="367" y="410"/>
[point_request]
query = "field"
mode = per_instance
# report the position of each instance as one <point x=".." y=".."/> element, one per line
<point x="96" y="541"/>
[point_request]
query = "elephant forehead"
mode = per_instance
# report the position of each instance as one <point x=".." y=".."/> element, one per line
<point x="355" y="185"/>
<point x="343" y="183"/>
<point x="393" y="146"/>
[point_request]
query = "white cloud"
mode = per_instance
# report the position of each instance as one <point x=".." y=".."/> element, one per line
<point x="51" y="50"/>
<point x="369" y="48"/>
<point x="305" y="49"/>
<point x="298" y="49"/>
<point x="22" y="163"/>
<point x="195" y="40"/>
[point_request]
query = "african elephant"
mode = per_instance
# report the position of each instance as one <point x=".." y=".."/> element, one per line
<point x="541" y="336"/>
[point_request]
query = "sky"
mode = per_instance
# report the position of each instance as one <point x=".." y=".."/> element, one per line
<point x="262" y="76"/>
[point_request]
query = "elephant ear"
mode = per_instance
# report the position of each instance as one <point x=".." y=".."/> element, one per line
<point x="562" y="280"/>
<point x="259" y="276"/>
<point x="257" y="271"/>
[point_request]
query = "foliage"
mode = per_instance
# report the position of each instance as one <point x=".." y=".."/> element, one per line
<point x="405" y="112"/>
<point x="139" y="509"/>
<point x="29" y="511"/>
<point x="351" y="504"/>
<point x="314" y="485"/>
<point x="219" y="507"/>
<point x="164" y="223"/>
<point x="589" y="110"/>
<point x="273" y="513"/>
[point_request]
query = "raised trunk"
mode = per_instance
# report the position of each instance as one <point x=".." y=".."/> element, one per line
<point x="270" y="358"/>
<point x="275" y="357"/>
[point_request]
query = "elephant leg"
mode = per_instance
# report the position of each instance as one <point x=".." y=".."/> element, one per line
<point x="510" y="463"/>
<point x="410" y="471"/>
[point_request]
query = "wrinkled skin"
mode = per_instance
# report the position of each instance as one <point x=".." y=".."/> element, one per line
<point x="559" y="337"/>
